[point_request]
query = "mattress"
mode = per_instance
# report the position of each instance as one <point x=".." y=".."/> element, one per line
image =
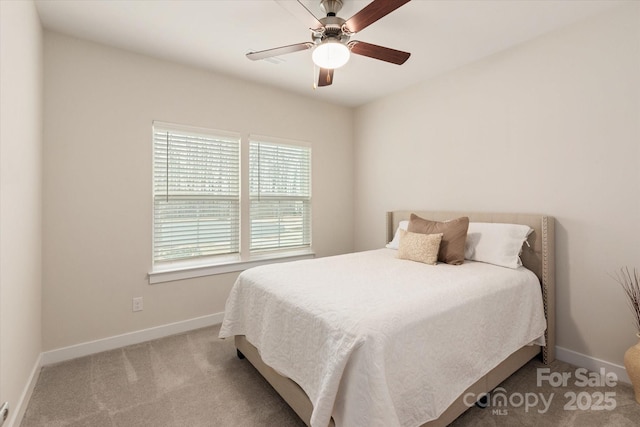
<point x="378" y="341"/>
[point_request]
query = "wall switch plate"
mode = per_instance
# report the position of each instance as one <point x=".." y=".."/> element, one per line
<point x="137" y="304"/>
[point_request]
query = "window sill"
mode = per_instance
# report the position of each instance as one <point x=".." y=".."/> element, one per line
<point x="191" y="270"/>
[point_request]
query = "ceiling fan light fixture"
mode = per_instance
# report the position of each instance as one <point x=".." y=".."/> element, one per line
<point x="331" y="54"/>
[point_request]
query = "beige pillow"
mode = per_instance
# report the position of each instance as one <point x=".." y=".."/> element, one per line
<point x="419" y="247"/>
<point x="454" y="236"/>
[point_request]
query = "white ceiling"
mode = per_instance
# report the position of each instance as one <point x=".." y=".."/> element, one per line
<point x="441" y="35"/>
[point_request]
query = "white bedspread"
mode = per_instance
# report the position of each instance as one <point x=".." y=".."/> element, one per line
<point x="378" y="341"/>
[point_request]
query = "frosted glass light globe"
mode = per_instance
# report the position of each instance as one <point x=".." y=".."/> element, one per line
<point x="331" y="55"/>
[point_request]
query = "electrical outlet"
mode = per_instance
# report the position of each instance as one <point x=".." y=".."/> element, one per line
<point x="137" y="304"/>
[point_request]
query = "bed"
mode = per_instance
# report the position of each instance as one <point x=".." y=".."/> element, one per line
<point x="377" y="365"/>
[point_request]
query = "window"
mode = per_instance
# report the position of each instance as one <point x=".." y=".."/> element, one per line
<point x="196" y="194"/>
<point x="211" y="215"/>
<point x="280" y="195"/>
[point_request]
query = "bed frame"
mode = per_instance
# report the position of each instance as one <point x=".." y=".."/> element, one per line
<point x="538" y="256"/>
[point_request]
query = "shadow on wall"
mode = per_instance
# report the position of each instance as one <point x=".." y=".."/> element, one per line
<point x="564" y="292"/>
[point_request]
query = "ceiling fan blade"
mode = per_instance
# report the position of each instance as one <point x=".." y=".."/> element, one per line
<point x="371" y="13"/>
<point x="325" y="78"/>
<point x="302" y="13"/>
<point x="379" y="52"/>
<point x="282" y="50"/>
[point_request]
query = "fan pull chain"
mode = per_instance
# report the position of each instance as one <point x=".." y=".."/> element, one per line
<point x="316" y="72"/>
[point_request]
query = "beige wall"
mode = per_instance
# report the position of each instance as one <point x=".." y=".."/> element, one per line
<point x="551" y="126"/>
<point x="99" y="105"/>
<point x="20" y="197"/>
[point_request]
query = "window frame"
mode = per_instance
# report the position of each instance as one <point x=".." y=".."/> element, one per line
<point x="244" y="259"/>
<point x="197" y="193"/>
<point x="287" y="144"/>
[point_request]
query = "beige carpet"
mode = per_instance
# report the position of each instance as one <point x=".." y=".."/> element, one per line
<point x="195" y="379"/>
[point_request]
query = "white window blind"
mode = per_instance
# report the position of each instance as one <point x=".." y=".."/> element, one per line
<point x="280" y="195"/>
<point x="196" y="193"/>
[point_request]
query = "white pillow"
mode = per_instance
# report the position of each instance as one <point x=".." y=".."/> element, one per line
<point x="496" y="243"/>
<point x="395" y="243"/>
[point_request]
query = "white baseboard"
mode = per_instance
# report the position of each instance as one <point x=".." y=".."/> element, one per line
<point x="16" y="414"/>
<point x="110" y="343"/>
<point x="591" y="363"/>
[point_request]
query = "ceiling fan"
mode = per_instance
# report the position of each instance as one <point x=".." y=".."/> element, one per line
<point x="331" y="35"/>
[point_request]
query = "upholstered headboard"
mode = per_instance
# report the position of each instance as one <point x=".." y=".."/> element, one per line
<point x="538" y="256"/>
